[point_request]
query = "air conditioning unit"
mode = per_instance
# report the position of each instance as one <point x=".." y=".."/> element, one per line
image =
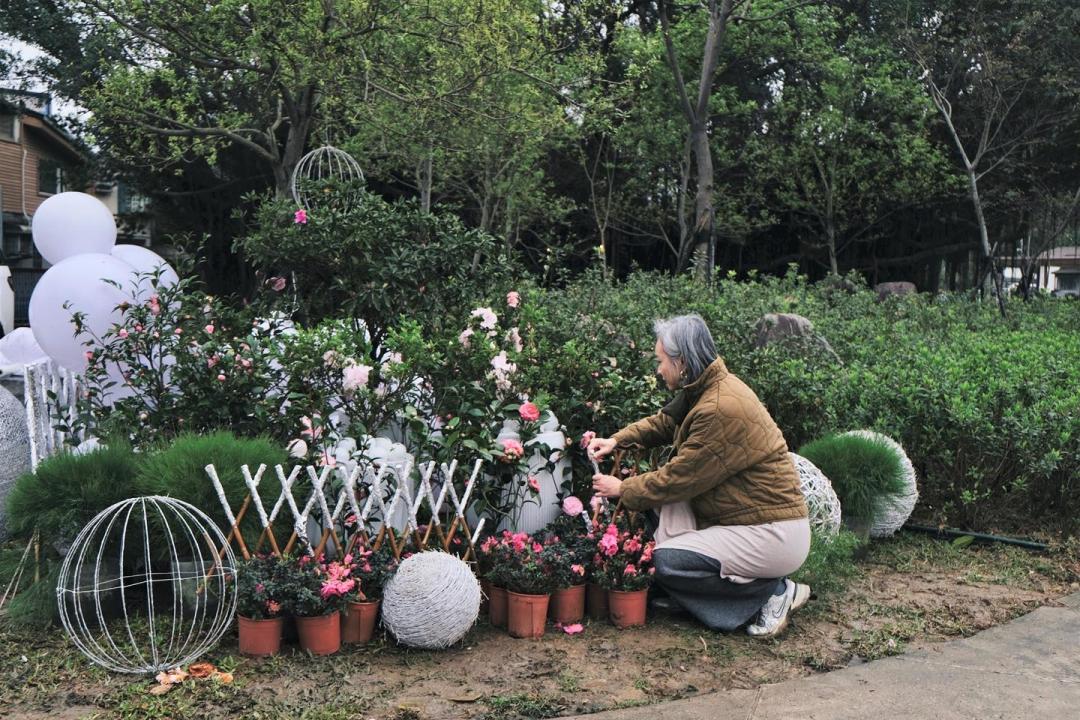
<point x="104" y="187"/>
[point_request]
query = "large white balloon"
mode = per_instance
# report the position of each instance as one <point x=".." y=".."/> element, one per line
<point x="80" y="281"/>
<point x="72" y="223"/>
<point x="146" y="262"/>
<point x="20" y="347"/>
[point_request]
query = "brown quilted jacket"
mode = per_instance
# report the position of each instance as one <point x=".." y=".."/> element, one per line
<point x="731" y="461"/>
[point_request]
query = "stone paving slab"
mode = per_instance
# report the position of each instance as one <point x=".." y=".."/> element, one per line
<point x="1027" y="668"/>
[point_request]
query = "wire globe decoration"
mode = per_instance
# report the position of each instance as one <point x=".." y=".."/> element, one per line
<point x="423" y="583"/>
<point x="327" y="177"/>
<point x="144" y="589"/>
<point x="821" y="500"/>
<point x="895" y="509"/>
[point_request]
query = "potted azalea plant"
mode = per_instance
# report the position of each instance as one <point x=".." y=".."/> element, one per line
<point x="495" y="557"/>
<point x="371" y="569"/>
<point x="260" y="592"/>
<point x="624" y="567"/>
<point x="568" y="548"/>
<point x="318" y="592"/>
<point x="529" y="582"/>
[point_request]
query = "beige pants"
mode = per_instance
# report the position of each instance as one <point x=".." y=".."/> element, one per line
<point x="745" y="552"/>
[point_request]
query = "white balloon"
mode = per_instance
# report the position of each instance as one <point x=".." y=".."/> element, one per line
<point x="20" y="347"/>
<point x="146" y="262"/>
<point x="80" y="281"/>
<point x="72" y="223"/>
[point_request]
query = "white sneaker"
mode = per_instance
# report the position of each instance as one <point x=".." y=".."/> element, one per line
<point x="802" y="595"/>
<point x="773" y="617"/>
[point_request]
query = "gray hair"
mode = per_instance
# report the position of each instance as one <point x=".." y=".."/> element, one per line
<point x="686" y="339"/>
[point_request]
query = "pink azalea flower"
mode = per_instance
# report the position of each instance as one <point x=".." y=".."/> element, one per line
<point x="259" y="587"/>
<point x="609" y="545"/>
<point x="646" y="554"/>
<point x="529" y="412"/>
<point x="327" y="460"/>
<point x="573" y="629"/>
<point x="632" y="545"/>
<point x="513" y="298"/>
<point x="537" y="547"/>
<point x="212" y="361"/>
<point x="572" y="506"/>
<point x="534" y="483"/>
<point x="300" y="217"/>
<point x="89" y="355"/>
<point x="178" y="331"/>
<point x="629" y="570"/>
<point x="578" y="570"/>
<point x="463" y="338"/>
<point x="596" y="502"/>
<point x="273" y="608"/>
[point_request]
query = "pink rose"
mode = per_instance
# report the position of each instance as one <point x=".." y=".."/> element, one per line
<point x="300" y="217"/>
<point x="513" y="299"/>
<point x="529" y="412"/>
<point x="572" y="506"/>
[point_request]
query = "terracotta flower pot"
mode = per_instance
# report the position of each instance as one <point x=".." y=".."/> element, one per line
<point x="485" y="593"/>
<point x="567" y="605"/>
<point x="596" y="601"/>
<point x="497" y="606"/>
<point x="358" y="621"/>
<point x="320" y="635"/>
<point x="627" y="608"/>
<point x="260" y="638"/>
<point x="526" y="614"/>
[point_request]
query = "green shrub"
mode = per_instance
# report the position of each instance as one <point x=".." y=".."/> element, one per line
<point x="831" y="562"/>
<point x="179" y="471"/>
<point x="67" y="491"/>
<point x="863" y="471"/>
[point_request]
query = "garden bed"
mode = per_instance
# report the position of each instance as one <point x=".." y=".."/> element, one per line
<point x="910" y="592"/>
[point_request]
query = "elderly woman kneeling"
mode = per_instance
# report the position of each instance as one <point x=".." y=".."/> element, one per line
<point x="732" y="519"/>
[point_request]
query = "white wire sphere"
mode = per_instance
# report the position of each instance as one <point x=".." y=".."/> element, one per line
<point x="895" y="509"/>
<point x="321" y="168"/>
<point x="141" y="590"/>
<point x="821" y="500"/>
<point x="432" y="601"/>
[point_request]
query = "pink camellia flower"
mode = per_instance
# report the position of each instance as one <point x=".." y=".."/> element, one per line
<point x="300" y="217"/>
<point x="277" y="284"/>
<point x="89" y="355"/>
<point x="209" y="329"/>
<point x="512" y="449"/>
<point x="221" y="377"/>
<point x="534" y="483"/>
<point x="355" y="377"/>
<point x="587" y="438"/>
<point x="513" y="299"/>
<point x="311" y="429"/>
<point x="572" y="506"/>
<point x="122" y="334"/>
<point x="488" y="318"/>
<point x="529" y="412"/>
<point x="212" y="361"/>
<point x="578" y="570"/>
<point x="327" y="460"/>
<point x="463" y="338"/>
<point x="629" y="570"/>
<point x="178" y="331"/>
<point x="138" y="328"/>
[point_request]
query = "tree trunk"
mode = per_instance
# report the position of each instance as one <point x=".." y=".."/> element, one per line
<point x="424" y="175"/>
<point x="984" y="238"/>
<point x="704" y="242"/>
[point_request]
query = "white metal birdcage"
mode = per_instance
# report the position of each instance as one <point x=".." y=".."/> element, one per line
<point x="321" y="169"/>
<point x="148" y="585"/>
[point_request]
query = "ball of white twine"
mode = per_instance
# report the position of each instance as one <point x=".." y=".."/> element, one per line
<point x="894" y="509"/>
<point x="821" y="500"/>
<point x="431" y="602"/>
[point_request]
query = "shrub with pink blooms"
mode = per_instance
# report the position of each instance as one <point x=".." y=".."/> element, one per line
<point x="315" y="587"/>
<point x="623" y="559"/>
<point x="372" y="569"/>
<point x="261" y="588"/>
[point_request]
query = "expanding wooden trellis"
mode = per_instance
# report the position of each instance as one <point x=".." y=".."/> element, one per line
<point x="371" y="496"/>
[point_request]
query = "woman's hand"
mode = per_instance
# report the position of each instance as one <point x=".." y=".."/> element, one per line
<point x="601" y="447"/>
<point x="607" y="485"/>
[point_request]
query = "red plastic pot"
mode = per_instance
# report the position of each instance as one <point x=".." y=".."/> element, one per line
<point x="526" y="614"/>
<point x="596" y="601"/>
<point x="626" y="608"/>
<point x="358" y="621"/>
<point x="260" y="638"/>
<point x="567" y="605"/>
<point x="497" y="603"/>
<point x="320" y="635"/>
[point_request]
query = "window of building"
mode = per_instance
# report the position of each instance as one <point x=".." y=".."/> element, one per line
<point x="7" y="127"/>
<point x="128" y="200"/>
<point x="50" y="176"/>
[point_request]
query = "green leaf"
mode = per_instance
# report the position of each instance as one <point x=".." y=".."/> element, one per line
<point x="963" y="541"/>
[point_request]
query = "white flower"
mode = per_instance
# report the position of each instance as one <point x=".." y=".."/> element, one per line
<point x="488" y="318"/>
<point x="463" y="338"/>
<point x="298" y="448"/>
<point x="355" y="377"/>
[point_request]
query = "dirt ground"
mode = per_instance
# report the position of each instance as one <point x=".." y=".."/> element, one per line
<point x="911" y="592"/>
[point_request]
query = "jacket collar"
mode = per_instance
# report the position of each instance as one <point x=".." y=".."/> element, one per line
<point x="688" y="396"/>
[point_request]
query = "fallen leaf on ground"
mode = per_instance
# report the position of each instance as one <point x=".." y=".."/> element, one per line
<point x="161" y="688"/>
<point x="222" y="677"/>
<point x="467" y="696"/>
<point x="201" y="670"/>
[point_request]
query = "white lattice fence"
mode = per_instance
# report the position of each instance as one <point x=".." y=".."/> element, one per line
<point x="369" y="496"/>
<point x="42" y="418"/>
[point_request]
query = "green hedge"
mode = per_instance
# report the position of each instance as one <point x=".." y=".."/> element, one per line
<point x="987" y="409"/>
